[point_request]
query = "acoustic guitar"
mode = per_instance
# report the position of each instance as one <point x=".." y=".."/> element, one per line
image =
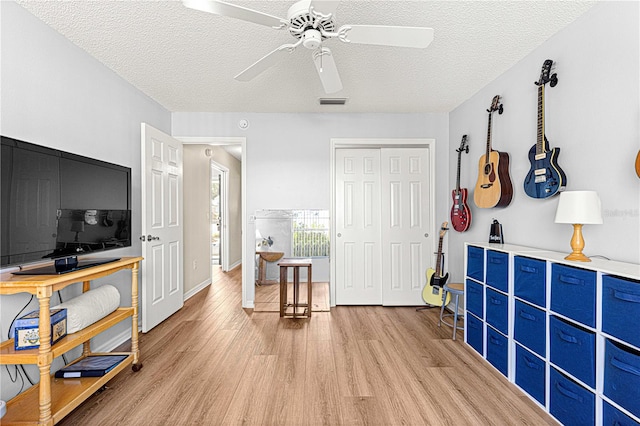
<point x="493" y="188"/>
<point x="432" y="291"/>
<point x="545" y="177"/>
<point x="460" y="213"/>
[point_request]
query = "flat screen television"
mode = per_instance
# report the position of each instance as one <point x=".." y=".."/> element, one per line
<point x="56" y="204"/>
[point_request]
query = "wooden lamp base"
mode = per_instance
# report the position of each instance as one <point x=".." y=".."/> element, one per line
<point x="577" y="244"/>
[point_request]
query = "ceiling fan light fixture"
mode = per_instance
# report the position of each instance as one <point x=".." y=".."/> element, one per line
<point x="311" y="39"/>
<point x="333" y="101"/>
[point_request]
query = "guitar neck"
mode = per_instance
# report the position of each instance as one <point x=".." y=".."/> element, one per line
<point x="488" y="140"/>
<point x="541" y="147"/>
<point x="458" y="173"/>
<point x="438" y="259"/>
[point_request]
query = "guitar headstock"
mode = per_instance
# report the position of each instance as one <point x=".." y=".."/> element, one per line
<point x="444" y="229"/>
<point x="496" y="105"/>
<point x="463" y="145"/>
<point x="546" y="76"/>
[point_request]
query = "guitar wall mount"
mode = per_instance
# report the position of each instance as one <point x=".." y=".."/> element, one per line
<point x="495" y="234"/>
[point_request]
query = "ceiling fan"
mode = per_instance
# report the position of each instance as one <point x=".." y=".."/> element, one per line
<point x="312" y="22"/>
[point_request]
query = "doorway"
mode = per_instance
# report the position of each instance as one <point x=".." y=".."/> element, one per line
<point x="234" y="211"/>
<point x="218" y="216"/>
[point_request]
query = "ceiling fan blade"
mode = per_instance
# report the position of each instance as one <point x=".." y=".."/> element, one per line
<point x="419" y="37"/>
<point x="324" y="7"/>
<point x="326" y="66"/>
<point x="235" y="11"/>
<point x="265" y="62"/>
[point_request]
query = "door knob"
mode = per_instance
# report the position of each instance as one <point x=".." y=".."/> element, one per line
<point x="151" y="238"/>
<point x="339" y="235"/>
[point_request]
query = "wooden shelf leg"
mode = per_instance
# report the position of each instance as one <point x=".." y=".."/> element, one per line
<point x="137" y="365"/>
<point x="309" y="291"/>
<point x="45" y="357"/>
<point x="86" y="346"/>
<point x="296" y="289"/>
<point x="283" y="289"/>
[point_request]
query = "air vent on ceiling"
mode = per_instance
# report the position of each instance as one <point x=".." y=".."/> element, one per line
<point x="333" y="101"/>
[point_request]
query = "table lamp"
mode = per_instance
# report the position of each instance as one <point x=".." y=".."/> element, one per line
<point x="578" y="208"/>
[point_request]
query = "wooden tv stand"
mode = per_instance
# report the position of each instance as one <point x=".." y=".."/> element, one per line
<point x="49" y="401"/>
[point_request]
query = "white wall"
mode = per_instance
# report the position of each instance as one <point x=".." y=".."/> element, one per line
<point x="592" y="115"/>
<point x="197" y="228"/>
<point x="287" y="156"/>
<point x="54" y="94"/>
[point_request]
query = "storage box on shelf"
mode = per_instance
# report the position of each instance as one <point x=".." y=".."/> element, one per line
<point x="52" y="399"/>
<point x="26" y="334"/>
<point x="564" y="332"/>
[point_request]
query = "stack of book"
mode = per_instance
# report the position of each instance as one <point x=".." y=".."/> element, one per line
<point x="91" y="366"/>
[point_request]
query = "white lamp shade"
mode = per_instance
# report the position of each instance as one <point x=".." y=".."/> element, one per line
<point x="580" y="207"/>
<point x="258" y="235"/>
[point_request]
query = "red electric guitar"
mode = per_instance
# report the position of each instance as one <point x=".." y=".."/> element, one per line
<point x="460" y="213"/>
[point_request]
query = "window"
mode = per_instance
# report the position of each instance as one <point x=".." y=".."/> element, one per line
<point x="310" y="230"/>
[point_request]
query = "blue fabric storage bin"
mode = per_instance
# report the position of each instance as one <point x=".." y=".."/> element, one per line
<point x="475" y="333"/>
<point x="497" y="310"/>
<point x="530" y="280"/>
<point x="497" y="350"/>
<point x="498" y="270"/>
<point x="621" y="308"/>
<point x="573" y="293"/>
<point x="475" y="298"/>
<point x="531" y="327"/>
<point x="573" y="349"/>
<point x="569" y="402"/>
<point x="475" y="263"/>
<point x="530" y="373"/>
<point x="622" y="376"/>
<point x="611" y="416"/>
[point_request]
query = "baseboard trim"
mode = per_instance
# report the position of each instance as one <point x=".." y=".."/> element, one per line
<point x="114" y="342"/>
<point x="235" y="265"/>
<point x="197" y="289"/>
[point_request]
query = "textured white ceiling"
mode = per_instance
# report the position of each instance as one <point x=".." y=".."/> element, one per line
<point x="186" y="59"/>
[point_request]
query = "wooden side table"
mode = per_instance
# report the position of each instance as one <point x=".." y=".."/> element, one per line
<point x="266" y="256"/>
<point x="296" y="264"/>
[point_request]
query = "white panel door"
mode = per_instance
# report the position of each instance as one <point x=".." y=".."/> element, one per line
<point x="357" y="192"/>
<point x="162" y="245"/>
<point x="406" y="224"/>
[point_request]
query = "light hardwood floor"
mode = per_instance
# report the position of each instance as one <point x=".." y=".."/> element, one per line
<point x="215" y="363"/>
<point x="267" y="297"/>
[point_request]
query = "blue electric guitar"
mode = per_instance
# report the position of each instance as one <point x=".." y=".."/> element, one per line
<point x="545" y="178"/>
